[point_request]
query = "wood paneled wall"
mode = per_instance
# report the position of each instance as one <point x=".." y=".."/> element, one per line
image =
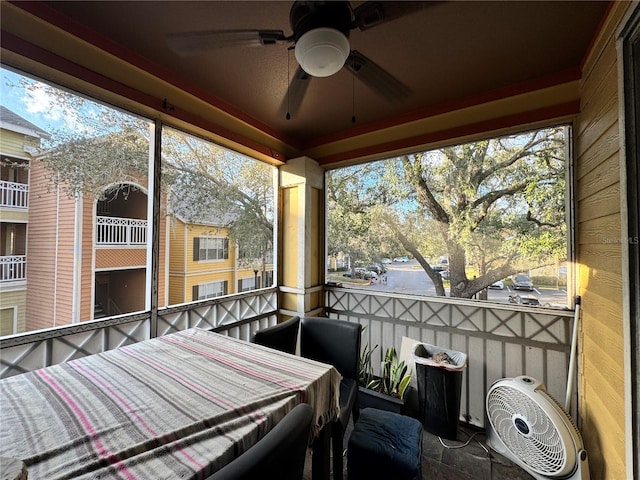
<point x="598" y="160"/>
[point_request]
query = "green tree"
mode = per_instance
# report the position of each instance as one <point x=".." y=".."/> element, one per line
<point x="352" y="211"/>
<point x="497" y="203"/>
<point x="208" y="182"/>
<point x="98" y="148"/>
<point x="516" y="183"/>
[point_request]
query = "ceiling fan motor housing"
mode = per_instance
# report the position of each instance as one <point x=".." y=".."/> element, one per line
<point x="305" y="16"/>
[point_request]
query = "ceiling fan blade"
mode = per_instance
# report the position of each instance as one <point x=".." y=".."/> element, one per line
<point x="372" y="14"/>
<point x="376" y="78"/>
<point x="192" y="43"/>
<point x="295" y="94"/>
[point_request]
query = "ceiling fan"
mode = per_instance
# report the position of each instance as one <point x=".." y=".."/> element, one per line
<point x="321" y="41"/>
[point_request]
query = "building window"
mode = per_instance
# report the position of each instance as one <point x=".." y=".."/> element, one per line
<point x="246" y="284"/>
<point x="267" y="278"/>
<point x="210" y="248"/>
<point x="209" y="290"/>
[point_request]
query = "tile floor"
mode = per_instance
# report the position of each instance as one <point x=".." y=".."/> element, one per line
<point x="470" y="462"/>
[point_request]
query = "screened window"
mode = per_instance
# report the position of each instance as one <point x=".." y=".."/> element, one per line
<point x="485" y="220"/>
<point x="221" y="212"/>
<point x="74" y="171"/>
<point x="78" y="183"/>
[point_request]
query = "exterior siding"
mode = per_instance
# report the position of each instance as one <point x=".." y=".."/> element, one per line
<point x="13" y="144"/>
<point x="290" y="233"/>
<point x="8" y="301"/>
<point x="599" y="256"/>
<point x="87" y="278"/>
<point x="163" y="268"/>
<point x="51" y="233"/>
<point x="13" y="295"/>
<point x="185" y="272"/>
<point x="177" y="262"/>
<point x="110" y="258"/>
<point x="14" y="216"/>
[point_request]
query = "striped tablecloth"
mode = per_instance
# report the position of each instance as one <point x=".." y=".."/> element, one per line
<point x="177" y="406"/>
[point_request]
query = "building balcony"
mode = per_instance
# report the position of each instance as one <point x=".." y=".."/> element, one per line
<point x="14" y="195"/>
<point x="13" y="268"/>
<point x="117" y="231"/>
<point x="500" y="340"/>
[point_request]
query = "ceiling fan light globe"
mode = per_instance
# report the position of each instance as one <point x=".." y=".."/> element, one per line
<point x="321" y="52"/>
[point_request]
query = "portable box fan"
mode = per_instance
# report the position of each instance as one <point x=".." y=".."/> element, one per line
<point x="530" y="428"/>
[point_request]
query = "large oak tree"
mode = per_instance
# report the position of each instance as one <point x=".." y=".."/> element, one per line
<point x="498" y="203"/>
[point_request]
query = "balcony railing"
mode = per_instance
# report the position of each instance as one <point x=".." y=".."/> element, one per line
<point x="499" y="340"/>
<point x="13" y="268"/>
<point x="234" y="315"/>
<point x="14" y="194"/>
<point x="120" y="231"/>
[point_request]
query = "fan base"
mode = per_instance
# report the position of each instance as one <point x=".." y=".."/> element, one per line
<point x="580" y="473"/>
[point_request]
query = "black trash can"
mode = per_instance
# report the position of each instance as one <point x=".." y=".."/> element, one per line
<point x="439" y="388"/>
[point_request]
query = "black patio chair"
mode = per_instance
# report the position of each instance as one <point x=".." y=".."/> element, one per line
<point x="282" y="336"/>
<point x="337" y="343"/>
<point x="279" y="454"/>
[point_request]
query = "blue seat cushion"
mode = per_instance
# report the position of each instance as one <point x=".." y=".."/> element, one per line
<point x="384" y="445"/>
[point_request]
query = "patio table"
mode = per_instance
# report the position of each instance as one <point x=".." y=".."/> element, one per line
<point x="177" y="406"/>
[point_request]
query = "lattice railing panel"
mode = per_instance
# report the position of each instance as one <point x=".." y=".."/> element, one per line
<point x="499" y="340"/>
<point x="237" y="316"/>
<point x="224" y="314"/>
<point x="23" y="353"/>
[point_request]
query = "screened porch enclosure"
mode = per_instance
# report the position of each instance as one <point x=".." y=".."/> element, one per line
<point x="577" y="68"/>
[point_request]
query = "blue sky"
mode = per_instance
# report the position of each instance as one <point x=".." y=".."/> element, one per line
<point x="14" y="99"/>
<point x="35" y="107"/>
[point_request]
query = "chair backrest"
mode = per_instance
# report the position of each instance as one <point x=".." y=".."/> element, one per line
<point x="282" y="336"/>
<point x="336" y="342"/>
<point x="279" y="454"/>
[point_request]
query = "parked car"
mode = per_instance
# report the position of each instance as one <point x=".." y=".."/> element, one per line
<point x="528" y="300"/>
<point x="368" y="274"/>
<point x="404" y="259"/>
<point x="362" y="273"/>
<point x="378" y="268"/>
<point x="385" y="260"/>
<point x="522" y="282"/>
<point x="499" y="285"/>
<point x="439" y="267"/>
<point x="524" y="300"/>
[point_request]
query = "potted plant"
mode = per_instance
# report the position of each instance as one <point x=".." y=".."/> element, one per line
<point x="388" y="391"/>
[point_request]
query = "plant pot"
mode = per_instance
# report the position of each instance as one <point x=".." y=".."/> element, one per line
<point x="371" y="399"/>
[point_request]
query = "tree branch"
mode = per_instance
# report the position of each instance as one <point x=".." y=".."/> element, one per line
<point x="540" y="223"/>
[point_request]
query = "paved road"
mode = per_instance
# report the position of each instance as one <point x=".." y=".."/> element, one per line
<point x="411" y="278"/>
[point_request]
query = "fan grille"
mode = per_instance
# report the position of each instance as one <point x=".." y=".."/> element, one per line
<point x="527" y="431"/>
